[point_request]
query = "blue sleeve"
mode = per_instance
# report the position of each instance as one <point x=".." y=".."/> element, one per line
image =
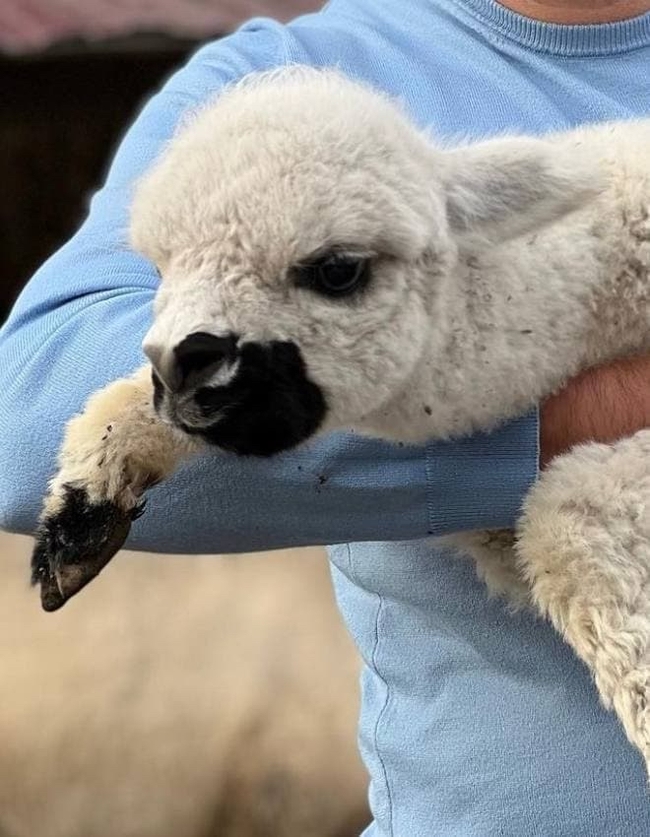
<point x="79" y="324"/>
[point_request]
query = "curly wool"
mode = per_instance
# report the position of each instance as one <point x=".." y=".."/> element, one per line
<point x="499" y="270"/>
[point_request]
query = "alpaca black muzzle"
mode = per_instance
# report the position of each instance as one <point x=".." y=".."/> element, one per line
<point x="268" y="403"/>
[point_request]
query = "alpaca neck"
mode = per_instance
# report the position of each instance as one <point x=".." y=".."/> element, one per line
<point x="516" y="321"/>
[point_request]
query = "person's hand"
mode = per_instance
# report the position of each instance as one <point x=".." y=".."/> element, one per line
<point x="601" y="405"/>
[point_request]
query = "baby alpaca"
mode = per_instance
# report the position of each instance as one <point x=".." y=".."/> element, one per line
<point x="325" y="265"/>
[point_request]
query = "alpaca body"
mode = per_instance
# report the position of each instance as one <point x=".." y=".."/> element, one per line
<point x="326" y="266"/>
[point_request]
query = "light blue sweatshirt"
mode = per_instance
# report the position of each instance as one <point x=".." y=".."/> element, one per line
<point x="474" y="723"/>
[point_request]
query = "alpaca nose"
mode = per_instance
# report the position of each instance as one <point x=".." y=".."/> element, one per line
<point x="195" y="358"/>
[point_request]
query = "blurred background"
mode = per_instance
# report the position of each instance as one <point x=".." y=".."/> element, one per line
<point x="203" y="696"/>
<point x="73" y="74"/>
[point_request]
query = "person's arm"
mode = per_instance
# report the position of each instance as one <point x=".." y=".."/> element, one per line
<point x="603" y="405"/>
<point x="80" y="322"/>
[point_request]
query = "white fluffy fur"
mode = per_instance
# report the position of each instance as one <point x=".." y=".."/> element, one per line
<point x="500" y="269"/>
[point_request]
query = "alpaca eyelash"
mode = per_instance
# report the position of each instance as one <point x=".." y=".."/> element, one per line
<point x="334" y="274"/>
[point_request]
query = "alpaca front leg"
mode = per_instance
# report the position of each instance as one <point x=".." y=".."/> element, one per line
<point x="112" y="453"/>
<point x="584" y="547"/>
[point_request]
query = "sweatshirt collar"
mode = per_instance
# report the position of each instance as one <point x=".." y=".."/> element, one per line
<point x="566" y="40"/>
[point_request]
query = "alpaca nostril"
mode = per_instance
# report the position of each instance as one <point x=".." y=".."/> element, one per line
<point x="164" y="369"/>
<point x="200" y="351"/>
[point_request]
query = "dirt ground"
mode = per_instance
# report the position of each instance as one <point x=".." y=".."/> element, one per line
<point x="179" y="697"/>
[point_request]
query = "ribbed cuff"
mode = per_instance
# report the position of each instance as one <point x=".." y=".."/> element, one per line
<point x="480" y="482"/>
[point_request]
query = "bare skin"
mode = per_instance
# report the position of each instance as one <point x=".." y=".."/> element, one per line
<point x="600" y="405"/>
<point x="578" y="11"/>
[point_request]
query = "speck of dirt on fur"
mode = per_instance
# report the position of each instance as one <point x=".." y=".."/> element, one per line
<point x="427" y="409"/>
<point x="110" y="428"/>
<point x="322" y="479"/>
<point x="526" y="331"/>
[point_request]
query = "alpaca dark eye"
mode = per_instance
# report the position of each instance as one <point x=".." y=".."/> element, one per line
<point x="334" y="275"/>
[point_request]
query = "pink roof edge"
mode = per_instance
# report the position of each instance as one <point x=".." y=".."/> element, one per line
<point x="30" y="25"/>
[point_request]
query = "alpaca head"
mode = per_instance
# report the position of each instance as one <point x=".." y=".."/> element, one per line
<point x="305" y="233"/>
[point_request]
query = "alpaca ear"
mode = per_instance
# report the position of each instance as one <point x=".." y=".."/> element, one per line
<point x="503" y="188"/>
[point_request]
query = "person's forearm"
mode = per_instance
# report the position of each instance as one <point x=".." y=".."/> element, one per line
<point x="600" y="405"/>
<point x="340" y="489"/>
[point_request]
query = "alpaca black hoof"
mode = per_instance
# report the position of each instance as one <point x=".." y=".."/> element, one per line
<point x="74" y="545"/>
